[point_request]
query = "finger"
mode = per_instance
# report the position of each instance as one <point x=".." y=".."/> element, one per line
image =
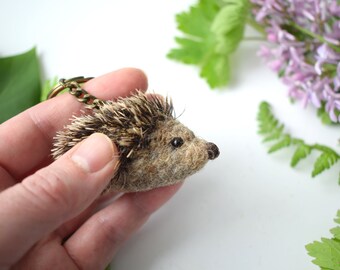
<point x="49" y="251"/>
<point x="43" y="201"/>
<point x="26" y="139"/>
<point x="95" y="243"/>
<point x="6" y="180"/>
<point x="69" y="227"/>
<point x="46" y="254"/>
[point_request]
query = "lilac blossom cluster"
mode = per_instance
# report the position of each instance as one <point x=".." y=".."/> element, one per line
<point x="306" y="34"/>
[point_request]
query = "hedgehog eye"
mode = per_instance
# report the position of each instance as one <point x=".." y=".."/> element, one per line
<point x="177" y="142"/>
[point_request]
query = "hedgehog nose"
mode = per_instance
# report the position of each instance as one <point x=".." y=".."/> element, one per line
<point x="213" y="151"/>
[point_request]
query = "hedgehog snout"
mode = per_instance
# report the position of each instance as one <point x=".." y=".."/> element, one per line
<point x="213" y="151"/>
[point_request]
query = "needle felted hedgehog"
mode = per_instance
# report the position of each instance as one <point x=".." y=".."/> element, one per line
<point x="155" y="148"/>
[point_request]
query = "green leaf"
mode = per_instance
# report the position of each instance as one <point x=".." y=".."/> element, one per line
<point x="216" y="70"/>
<point x="337" y="219"/>
<point x="275" y="134"/>
<point x="324" y="116"/>
<point x="212" y="31"/>
<point x="301" y="152"/>
<point x="327" y="251"/>
<point x="285" y="142"/>
<point x="191" y="51"/>
<point x="48" y="85"/>
<point x="196" y="22"/>
<point x="20" y="85"/>
<point x="228" y="25"/>
<point x="268" y="124"/>
<point x="336" y="233"/>
<point x="324" y="162"/>
<point x="272" y="130"/>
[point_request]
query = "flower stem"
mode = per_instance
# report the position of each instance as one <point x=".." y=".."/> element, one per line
<point x="316" y="146"/>
<point x="256" y="26"/>
<point x="313" y="35"/>
<point x="325" y="149"/>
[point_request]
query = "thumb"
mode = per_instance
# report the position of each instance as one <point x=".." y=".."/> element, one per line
<point x="43" y="201"/>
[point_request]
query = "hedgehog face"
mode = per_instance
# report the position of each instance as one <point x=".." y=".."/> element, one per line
<point x="173" y="153"/>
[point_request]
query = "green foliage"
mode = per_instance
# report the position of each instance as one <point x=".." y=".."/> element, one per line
<point x="327" y="251"/>
<point x="301" y="152"/>
<point x="212" y="31"/>
<point x="48" y="85"/>
<point x="20" y="85"/>
<point x="273" y="130"/>
<point x="327" y="159"/>
<point x="228" y="25"/>
<point x="324" y="116"/>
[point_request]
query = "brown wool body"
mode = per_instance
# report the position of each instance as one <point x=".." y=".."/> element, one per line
<point x="155" y="148"/>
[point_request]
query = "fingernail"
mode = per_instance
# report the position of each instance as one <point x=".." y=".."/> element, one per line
<point x="94" y="153"/>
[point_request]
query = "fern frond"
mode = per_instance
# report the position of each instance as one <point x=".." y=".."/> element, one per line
<point x="284" y="142"/>
<point x="273" y="131"/>
<point x="301" y="153"/>
<point x="268" y="124"/>
<point x="275" y="134"/>
<point x="324" y="162"/>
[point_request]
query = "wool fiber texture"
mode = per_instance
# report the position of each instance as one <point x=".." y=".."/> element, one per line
<point x="155" y="148"/>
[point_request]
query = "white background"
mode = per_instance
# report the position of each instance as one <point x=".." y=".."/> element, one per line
<point x="245" y="210"/>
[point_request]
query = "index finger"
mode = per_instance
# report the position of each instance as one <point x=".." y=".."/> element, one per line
<point x="26" y="139"/>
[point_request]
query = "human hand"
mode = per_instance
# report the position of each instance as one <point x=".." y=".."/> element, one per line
<point x="51" y="214"/>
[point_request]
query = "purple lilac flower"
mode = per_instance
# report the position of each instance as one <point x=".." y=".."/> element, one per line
<point x="305" y="48"/>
